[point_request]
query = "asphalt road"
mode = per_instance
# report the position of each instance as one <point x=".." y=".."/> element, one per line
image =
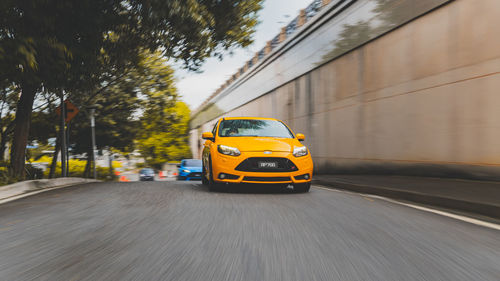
<point x="180" y="231"/>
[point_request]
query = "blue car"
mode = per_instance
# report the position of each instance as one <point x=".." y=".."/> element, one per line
<point x="190" y="169"/>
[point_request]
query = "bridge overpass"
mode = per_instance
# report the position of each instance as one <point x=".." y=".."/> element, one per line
<point x="379" y="86"/>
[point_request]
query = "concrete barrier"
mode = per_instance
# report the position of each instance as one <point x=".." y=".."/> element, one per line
<point x="17" y="190"/>
<point x="420" y="100"/>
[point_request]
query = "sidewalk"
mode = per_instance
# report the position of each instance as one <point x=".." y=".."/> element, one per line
<point x="476" y="197"/>
<point x="21" y="189"/>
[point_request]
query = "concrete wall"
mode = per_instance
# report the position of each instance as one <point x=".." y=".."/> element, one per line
<point x="423" y="99"/>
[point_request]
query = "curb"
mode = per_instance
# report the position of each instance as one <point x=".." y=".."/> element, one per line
<point x="491" y="211"/>
<point x="23" y="189"/>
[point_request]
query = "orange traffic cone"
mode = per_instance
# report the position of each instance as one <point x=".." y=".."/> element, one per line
<point x="124" y="179"/>
<point x="161" y="174"/>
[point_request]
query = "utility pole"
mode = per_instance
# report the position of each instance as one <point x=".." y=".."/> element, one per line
<point x="63" y="136"/>
<point x="110" y="159"/>
<point x="92" y="125"/>
<point x="67" y="146"/>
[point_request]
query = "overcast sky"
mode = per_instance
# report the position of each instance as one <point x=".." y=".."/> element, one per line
<point x="196" y="87"/>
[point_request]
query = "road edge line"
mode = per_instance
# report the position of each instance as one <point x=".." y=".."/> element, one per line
<point x="421" y="208"/>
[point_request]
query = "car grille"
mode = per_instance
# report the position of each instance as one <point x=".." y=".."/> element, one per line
<point x="252" y="165"/>
<point x="266" y="179"/>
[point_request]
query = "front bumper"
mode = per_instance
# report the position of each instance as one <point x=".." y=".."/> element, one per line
<point x="196" y="175"/>
<point x="222" y="164"/>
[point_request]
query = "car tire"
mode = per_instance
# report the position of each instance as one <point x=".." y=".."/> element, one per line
<point x="302" y="187"/>
<point x="204" y="180"/>
<point x="212" y="185"/>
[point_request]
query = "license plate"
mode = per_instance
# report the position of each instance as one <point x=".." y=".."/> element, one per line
<point x="268" y="165"/>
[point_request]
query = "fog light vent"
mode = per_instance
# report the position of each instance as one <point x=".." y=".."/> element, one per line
<point x="303" y="177"/>
<point x="223" y="176"/>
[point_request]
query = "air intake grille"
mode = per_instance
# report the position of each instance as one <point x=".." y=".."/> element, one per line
<point x="254" y="164"/>
<point x="268" y="179"/>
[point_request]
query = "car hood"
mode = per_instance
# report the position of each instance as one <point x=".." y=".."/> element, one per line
<point x="192" y="169"/>
<point x="247" y="144"/>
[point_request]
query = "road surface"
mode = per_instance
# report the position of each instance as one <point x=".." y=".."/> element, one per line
<point x="179" y="231"/>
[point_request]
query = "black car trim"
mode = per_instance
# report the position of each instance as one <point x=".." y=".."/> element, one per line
<point x="252" y="165"/>
<point x="267" y="179"/>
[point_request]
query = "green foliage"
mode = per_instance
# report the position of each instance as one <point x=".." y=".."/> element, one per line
<point x="79" y="46"/>
<point x="77" y="167"/>
<point x="5" y="178"/>
<point x="140" y="165"/>
<point x="165" y="134"/>
<point x="43" y="126"/>
<point x="33" y="42"/>
<point x="121" y="100"/>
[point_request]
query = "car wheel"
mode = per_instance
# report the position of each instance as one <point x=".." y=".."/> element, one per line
<point x="204" y="180"/>
<point x="302" y="187"/>
<point x="212" y="185"/>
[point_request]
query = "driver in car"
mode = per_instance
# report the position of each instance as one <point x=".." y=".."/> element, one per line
<point x="232" y="132"/>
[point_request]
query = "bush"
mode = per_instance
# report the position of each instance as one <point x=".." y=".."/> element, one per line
<point x="77" y="167"/>
<point x="33" y="173"/>
<point x="4" y="175"/>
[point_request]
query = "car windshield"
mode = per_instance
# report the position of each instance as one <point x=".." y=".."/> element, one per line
<point x="192" y="163"/>
<point x="147" y="171"/>
<point x="253" y="128"/>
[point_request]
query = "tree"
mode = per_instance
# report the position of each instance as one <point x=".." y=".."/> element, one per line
<point x="164" y="140"/>
<point x="57" y="45"/>
<point x="165" y="120"/>
<point x="124" y="97"/>
<point x="8" y="98"/>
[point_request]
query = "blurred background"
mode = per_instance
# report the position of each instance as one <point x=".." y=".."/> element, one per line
<point x="378" y="86"/>
<point x="398" y="101"/>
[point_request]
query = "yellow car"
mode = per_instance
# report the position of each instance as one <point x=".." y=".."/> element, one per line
<point x="255" y="150"/>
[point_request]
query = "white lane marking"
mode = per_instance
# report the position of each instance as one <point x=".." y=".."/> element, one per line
<point x="442" y="213"/>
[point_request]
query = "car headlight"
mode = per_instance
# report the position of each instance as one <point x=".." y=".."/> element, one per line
<point x="300" y="151"/>
<point x="227" y="150"/>
<point x="186" y="171"/>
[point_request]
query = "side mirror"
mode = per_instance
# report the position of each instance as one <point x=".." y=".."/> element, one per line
<point x="207" y="136"/>
<point x="301" y="137"/>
